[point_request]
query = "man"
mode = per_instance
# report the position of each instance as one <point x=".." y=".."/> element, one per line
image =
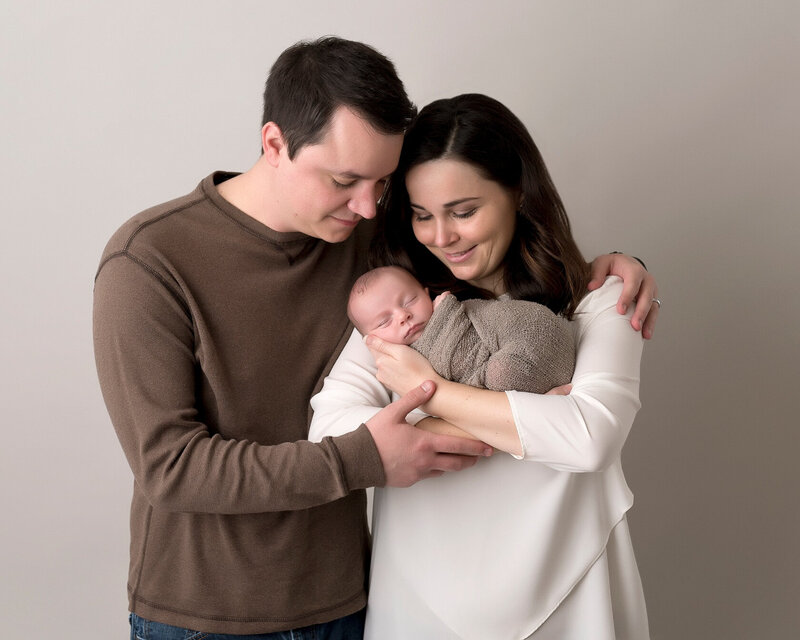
<point x="216" y="318"/>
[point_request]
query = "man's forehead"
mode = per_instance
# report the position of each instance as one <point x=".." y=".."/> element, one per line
<point x="356" y="149"/>
<point x="346" y="118"/>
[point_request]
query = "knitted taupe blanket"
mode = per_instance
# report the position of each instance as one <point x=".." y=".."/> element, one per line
<point x="501" y="345"/>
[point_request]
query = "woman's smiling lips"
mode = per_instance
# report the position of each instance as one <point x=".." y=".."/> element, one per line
<point x="459" y="256"/>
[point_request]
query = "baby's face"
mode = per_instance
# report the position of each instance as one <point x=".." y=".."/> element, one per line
<point x="395" y="307"/>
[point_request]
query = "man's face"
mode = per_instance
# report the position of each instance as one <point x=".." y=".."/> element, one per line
<point x="330" y="186"/>
<point x="394" y="307"/>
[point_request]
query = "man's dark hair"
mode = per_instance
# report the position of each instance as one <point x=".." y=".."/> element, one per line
<point x="310" y="80"/>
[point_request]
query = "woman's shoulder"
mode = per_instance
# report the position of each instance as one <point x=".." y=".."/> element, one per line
<point x="601" y="298"/>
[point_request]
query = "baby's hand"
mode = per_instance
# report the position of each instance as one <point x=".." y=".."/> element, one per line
<point x="439" y="298"/>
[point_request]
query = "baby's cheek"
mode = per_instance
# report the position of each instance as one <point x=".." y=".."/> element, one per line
<point x="385" y="334"/>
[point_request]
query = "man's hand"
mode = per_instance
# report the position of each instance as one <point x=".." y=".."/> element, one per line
<point x="638" y="285"/>
<point x="409" y="454"/>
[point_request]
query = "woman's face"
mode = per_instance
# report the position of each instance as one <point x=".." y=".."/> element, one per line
<point x="465" y="220"/>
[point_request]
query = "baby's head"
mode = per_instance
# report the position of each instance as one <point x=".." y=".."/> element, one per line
<point x="390" y="303"/>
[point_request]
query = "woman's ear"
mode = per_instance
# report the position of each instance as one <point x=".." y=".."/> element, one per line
<point x="272" y="142"/>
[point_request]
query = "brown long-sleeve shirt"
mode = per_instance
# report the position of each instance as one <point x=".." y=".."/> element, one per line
<point x="211" y="334"/>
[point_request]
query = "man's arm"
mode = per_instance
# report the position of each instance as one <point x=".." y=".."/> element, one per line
<point x="639" y="286"/>
<point x="144" y="348"/>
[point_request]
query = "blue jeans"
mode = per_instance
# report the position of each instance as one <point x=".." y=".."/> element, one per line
<point x="348" y="628"/>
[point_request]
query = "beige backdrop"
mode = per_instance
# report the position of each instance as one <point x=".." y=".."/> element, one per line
<point x="671" y="130"/>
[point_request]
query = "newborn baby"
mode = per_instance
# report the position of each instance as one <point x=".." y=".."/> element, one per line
<point x="495" y="344"/>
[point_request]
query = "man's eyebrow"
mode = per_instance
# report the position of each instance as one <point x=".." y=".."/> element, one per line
<point x="352" y="175"/>
<point x="452" y="203"/>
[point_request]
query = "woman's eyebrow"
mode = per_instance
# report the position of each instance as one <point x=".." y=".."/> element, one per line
<point x="446" y="205"/>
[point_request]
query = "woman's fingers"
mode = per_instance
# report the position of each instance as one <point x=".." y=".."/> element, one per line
<point x="378" y="345"/>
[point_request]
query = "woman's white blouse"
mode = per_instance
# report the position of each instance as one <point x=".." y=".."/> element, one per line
<point x="512" y="548"/>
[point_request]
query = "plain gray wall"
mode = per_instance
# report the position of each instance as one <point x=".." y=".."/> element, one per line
<point x="671" y="131"/>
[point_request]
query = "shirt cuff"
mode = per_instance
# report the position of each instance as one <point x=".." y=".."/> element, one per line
<point x="513" y="405"/>
<point x="361" y="462"/>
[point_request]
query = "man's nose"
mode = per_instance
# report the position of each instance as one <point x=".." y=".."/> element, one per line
<point x="363" y="202"/>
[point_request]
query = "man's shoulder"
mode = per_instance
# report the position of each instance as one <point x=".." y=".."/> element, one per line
<point x="153" y="222"/>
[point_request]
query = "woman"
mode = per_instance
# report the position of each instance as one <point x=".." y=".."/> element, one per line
<point x="529" y="545"/>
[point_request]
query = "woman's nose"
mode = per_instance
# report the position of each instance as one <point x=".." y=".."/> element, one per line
<point x="444" y="235"/>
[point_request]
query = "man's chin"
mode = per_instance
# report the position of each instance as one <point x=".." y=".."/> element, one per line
<point x="335" y="231"/>
<point x="340" y="236"/>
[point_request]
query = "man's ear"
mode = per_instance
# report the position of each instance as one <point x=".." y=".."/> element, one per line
<point x="272" y="142"/>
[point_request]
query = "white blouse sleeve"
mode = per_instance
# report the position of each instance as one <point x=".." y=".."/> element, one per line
<point x="585" y="430"/>
<point x="351" y="394"/>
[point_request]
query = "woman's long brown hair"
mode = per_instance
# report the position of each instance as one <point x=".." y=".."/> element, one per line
<point x="543" y="263"/>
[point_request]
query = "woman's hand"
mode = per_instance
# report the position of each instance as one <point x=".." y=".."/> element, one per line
<point x="400" y="368"/>
<point x="485" y="415"/>
<point x="638" y="286"/>
<point x="563" y="390"/>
